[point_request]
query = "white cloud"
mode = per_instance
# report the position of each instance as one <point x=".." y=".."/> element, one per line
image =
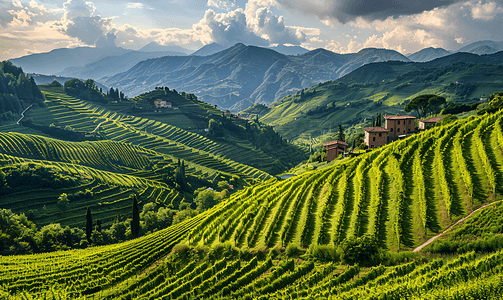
<point x="21" y="18"/>
<point x="485" y="11"/>
<point x="134" y="5"/>
<point x="222" y="4"/>
<point x="333" y="46"/>
<point x="17" y="3"/>
<point x="226" y="29"/>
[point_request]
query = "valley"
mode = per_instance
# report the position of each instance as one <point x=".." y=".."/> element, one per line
<point x="229" y="185"/>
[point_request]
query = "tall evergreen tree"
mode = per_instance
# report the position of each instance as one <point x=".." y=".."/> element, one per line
<point x="341" y="136"/>
<point x="89" y="226"/>
<point x="135" y="223"/>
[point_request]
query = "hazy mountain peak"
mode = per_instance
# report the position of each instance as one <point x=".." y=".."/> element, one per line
<point x="482" y="47"/>
<point x="209" y="49"/>
<point x="428" y="54"/>
<point x="155" y="47"/>
<point x="289" y="50"/>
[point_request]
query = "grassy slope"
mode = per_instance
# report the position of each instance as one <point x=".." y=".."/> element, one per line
<point x="193" y="116"/>
<point x="400" y="193"/>
<point x="154" y="135"/>
<point x="111" y="171"/>
<point x="374" y="88"/>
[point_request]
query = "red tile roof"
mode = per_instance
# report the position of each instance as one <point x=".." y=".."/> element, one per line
<point x="432" y="120"/>
<point x="401" y="117"/>
<point x="376" y="129"/>
<point x="335" y="143"/>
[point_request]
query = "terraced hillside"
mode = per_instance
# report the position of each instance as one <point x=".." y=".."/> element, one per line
<point x="402" y="193"/>
<point x="107" y="193"/>
<point x="81" y="116"/>
<point x="384" y="87"/>
<point x="108" y="173"/>
<point x="399" y="194"/>
<point x="241" y="140"/>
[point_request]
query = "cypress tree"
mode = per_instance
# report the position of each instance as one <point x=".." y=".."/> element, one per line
<point x="341" y="136"/>
<point x="89" y="226"/>
<point x="135" y="223"/>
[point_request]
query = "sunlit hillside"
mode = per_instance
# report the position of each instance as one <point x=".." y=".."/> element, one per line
<point x="267" y="241"/>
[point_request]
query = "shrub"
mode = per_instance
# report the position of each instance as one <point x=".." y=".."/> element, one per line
<point x="363" y="250"/>
<point x="325" y="253"/>
<point x="292" y="250"/>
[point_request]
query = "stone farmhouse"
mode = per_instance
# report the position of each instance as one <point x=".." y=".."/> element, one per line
<point x="396" y="127"/>
<point x="376" y="137"/>
<point x="334" y="149"/>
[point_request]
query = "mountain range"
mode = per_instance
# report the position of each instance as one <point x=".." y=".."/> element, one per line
<point x="243" y="75"/>
<point x="233" y="78"/>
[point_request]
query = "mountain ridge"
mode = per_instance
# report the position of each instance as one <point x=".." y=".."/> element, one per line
<point x="244" y="73"/>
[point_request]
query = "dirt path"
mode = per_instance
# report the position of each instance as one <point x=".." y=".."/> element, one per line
<point x="22" y="114"/>
<point x="461" y="220"/>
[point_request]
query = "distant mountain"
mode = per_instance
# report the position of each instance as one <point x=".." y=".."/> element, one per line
<point x="289" y="50"/>
<point x="428" y="54"/>
<point x="242" y="75"/>
<point x="111" y="65"/>
<point x="57" y="60"/>
<point x="155" y="47"/>
<point x="482" y="47"/>
<point x="384" y="87"/>
<point x="209" y="49"/>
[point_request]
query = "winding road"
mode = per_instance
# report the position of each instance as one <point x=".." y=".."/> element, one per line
<point x="461" y="220"/>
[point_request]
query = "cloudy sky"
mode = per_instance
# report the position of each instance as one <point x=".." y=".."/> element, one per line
<point x="33" y="26"/>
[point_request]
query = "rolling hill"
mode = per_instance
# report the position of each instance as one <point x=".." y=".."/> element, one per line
<point x="380" y="87"/>
<point x="399" y="195"/>
<point x="130" y="121"/>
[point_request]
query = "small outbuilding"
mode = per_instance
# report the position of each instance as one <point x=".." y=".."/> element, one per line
<point x="428" y="123"/>
<point x="334" y="149"/>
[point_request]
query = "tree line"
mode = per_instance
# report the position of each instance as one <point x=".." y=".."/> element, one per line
<point x="17" y="91"/>
<point x="88" y="90"/>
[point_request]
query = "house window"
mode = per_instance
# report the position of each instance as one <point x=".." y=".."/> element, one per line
<point x="409" y="121"/>
<point x="398" y="122"/>
<point x="380" y="134"/>
<point x="374" y="139"/>
<point x="398" y="130"/>
<point x="391" y="129"/>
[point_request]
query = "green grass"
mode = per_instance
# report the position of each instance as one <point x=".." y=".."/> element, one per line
<point x="324" y="106"/>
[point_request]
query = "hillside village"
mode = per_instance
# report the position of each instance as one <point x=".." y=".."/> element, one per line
<point x="396" y="127"/>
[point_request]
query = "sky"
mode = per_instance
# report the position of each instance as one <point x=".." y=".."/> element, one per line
<point x="342" y="26"/>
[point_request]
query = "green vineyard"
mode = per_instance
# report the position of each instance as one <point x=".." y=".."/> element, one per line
<point x="106" y="192"/>
<point x="400" y="195"/>
<point x="150" y="134"/>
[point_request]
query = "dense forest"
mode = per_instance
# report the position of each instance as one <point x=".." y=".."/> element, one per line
<point x="17" y="91"/>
